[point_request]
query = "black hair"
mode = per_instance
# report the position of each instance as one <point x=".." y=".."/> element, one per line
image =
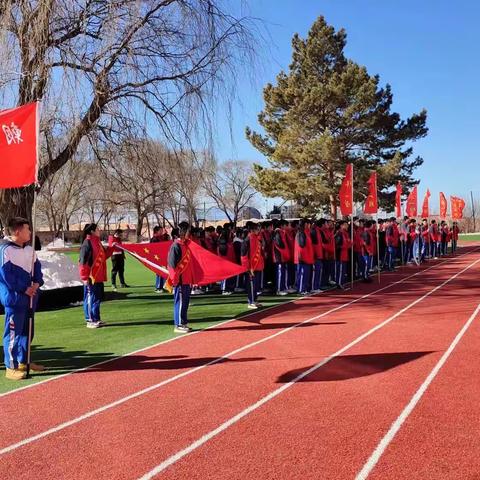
<point x="15" y="223"/>
<point x="157" y="229"/>
<point x="118" y="231"/>
<point x="183" y="228"/>
<point x="88" y="229"/>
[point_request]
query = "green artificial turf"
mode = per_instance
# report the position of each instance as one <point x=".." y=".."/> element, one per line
<point x="470" y="238"/>
<point x="137" y="317"/>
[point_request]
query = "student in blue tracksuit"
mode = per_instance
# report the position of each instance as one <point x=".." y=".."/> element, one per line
<point x="18" y="287"/>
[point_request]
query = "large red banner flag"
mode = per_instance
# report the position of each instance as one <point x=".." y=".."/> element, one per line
<point x="412" y="201"/>
<point x="207" y="267"/>
<point x="425" y="206"/>
<point x="457" y="206"/>
<point x="371" y="203"/>
<point x="346" y="192"/>
<point x="19" y="146"/>
<point x="443" y="205"/>
<point x="398" y="200"/>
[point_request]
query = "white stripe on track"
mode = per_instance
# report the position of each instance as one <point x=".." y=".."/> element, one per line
<point x="163" y="342"/>
<point x="151" y="388"/>
<point x="390" y="435"/>
<point x="224" y="426"/>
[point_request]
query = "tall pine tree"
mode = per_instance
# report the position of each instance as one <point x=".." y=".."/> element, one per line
<point x="327" y="111"/>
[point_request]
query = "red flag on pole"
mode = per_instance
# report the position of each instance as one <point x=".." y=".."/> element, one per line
<point x="457" y="206"/>
<point x="443" y="205"/>
<point x="207" y="267"/>
<point x="346" y="192"/>
<point x="398" y="200"/>
<point x="19" y="146"/>
<point x="412" y="200"/>
<point x="425" y="209"/>
<point x="371" y="203"/>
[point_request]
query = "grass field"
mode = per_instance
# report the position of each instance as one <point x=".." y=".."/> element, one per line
<point x="137" y="317"/>
<point x="475" y="237"/>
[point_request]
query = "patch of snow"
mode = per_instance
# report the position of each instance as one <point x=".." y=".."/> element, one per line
<point x="58" y="270"/>
<point x="58" y="243"/>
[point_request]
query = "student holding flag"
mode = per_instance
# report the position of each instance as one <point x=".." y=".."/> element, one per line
<point x="253" y="262"/>
<point x="180" y="270"/>
<point x="17" y="287"/>
<point x="93" y="273"/>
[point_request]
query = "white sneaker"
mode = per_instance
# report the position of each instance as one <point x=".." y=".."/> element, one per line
<point x="227" y="293"/>
<point x="291" y="290"/>
<point x="252" y="306"/>
<point x="282" y="293"/>
<point x="182" y="329"/>
<point x="317" y="291"/>
<point x="93" y="325"/>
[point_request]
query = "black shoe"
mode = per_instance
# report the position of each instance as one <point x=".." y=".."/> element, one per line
<point x="125" y="285"/>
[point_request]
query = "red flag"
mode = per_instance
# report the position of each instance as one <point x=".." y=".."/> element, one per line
<point x="425" y="209"/>
<point x="443" y="205"/>
<point x="398" y="200"/>
<point x="412" y="200"/>
<point x="346" y="192"/>
<point x="207" y="267"/>
<point x="18" y="146"/>
<point x="371" y="203"/>
<point x="457" y="206"/>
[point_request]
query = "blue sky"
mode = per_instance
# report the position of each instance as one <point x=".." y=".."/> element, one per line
<point x="427" y="50"/>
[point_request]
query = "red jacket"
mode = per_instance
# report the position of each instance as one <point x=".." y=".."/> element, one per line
<point x="304" y="248"/>
<point x="280" y="247"/>
<point x="455" y="232"/>
<point x="251" y="253"/>
<point x="434" y="233"/>
<point x="392" y="236"/>
<point x="343" y="245"/>
<point x="328" y="240"/>
<point x="290" y="236"/>
<point x="180" y="263"/>
<point x="93" y="259"/>
<point x="357" y="239"/>
<point x="317" y="243"/>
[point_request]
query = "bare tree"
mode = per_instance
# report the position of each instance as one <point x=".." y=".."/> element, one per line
<point x="63" y="195"/>
<point x="101" y="68"/>
<point x="135" y="177"/>
<point x="228" y="185"/>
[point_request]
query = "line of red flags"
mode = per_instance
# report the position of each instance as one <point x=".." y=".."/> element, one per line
<point x="411" y="207"/>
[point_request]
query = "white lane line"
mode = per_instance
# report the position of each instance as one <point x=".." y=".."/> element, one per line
<point x="397" y="424"/>
<point x="151" y="388"/>
<point x="163" y="342"/>
<point x="224" y="426"/>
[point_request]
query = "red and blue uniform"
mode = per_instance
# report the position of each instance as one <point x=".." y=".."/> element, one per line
<point x="15" y="278"/>
<point x="304" y="258"/>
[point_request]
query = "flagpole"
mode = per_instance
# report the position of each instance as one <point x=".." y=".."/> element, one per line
<point x="353" y="256"/>
<point x="378" y="239"/>
<point x="34" y="230"/>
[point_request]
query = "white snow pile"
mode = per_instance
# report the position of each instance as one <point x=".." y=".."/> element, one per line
<point x="58" y="243"/>
<point x="58" y="270"/>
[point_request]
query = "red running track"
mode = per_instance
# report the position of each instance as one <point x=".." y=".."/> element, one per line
<point x="325" y="426"/>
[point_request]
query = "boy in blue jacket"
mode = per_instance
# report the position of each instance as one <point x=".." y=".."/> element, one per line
<point x="17" y="288"/>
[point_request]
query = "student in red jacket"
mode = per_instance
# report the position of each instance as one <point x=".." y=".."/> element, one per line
<point x="368" y="239"/>
<point x="455" y="233"/>
<point x="319" y="256"/>
<point x="304" y="256"/>
<point x="253" y="261"/>
<point x="281" y="256"/>
<point x="434" y="239"/>
<point x="445" y="237"/>
<point x="328" y="240"/>
<point x="180" y="271"/>
<point x="359" y="264"/>
<point x="291" y="232"/>
<point x="392" y="237"/>
<point x="343" y="244"/>
<point x="93" y="273"/>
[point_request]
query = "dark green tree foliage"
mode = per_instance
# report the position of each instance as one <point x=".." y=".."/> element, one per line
<point x="325" y="112"/>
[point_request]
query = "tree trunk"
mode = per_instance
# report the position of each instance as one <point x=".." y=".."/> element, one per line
<point x="16" y="202"/>
<point x="333" y="207"/>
